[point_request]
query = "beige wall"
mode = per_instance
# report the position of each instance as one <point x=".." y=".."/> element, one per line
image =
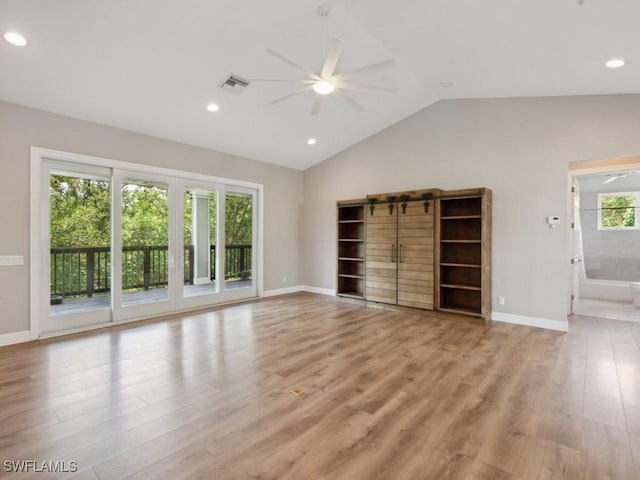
<point x="22" y="128"/>
<point x="520" y="148"/>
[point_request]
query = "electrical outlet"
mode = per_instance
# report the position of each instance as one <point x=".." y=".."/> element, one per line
<point x="500" y="300"/>
<point x="284" y="279"/>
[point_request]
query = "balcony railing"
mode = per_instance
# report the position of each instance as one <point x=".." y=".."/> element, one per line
<point x="85" y="271"/>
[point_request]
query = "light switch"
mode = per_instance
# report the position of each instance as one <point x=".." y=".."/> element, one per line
<point x="8" y="260"/>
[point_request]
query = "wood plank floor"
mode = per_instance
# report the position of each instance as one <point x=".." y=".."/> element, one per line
<point x="379" y="394"/>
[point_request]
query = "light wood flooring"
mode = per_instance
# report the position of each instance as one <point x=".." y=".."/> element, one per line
<point x="379" y="394"/>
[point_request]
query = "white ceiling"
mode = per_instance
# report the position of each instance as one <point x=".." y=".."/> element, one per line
<point x="623" y="181"/>
<point x="151" y="66"/>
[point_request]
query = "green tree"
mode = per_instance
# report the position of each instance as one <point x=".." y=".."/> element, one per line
<point x="238" y="224"/>
<point x="145" y="215"/>
<point x="80" y="212"/>
<point x="618" y="211"/>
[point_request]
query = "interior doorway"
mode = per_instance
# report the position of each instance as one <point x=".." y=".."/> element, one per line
<point x="605" y="238"/>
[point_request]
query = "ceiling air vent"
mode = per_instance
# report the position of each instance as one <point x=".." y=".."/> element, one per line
<point x="234" y="84"/>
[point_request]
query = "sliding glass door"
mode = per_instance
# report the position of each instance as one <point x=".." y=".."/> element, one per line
<point x="199" y="259"/>
<point x="122" y="245"/>
<point x="143" y="247"/>
<point x="239" y="243"/>
<point x="76" y="273"/>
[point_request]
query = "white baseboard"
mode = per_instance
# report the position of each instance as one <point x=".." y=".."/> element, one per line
<point x="298" y="288"/>
<point x="321" y="291"/>
<point x="280" y="291"/>
<point x="16" y="337"/>
<point x="530" y="321"/>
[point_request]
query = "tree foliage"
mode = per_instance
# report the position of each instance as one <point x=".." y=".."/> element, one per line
<point x="238" y="215"/>
<point x="145" y="215"/>
<point x="80" y="213"/>
<point x="618" y="211"/>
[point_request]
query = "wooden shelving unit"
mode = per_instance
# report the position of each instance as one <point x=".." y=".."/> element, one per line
<point x="427" y="249"/>
<point x="464" y="253"/>
<point x="351" y="238"/>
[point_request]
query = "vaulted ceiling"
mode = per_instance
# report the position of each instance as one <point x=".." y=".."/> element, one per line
<point x="152" y="66"/>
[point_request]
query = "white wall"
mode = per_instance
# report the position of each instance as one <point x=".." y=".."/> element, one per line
<point x="520" y="148"/>
<point x="21" y="128"/>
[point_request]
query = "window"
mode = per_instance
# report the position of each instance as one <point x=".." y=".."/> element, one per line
<point x="618" y="211"/>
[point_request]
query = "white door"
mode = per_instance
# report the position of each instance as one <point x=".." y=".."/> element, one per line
<point x="199" y="254"/>
<point x="75" y="246"/>
<point x="239" y="239"/>
<point x="144" y="244"/>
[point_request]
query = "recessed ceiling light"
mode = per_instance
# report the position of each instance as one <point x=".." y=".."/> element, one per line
<point x="15" y="39"/>
<point x="311" y="141"/>
<point x="212" y="107"/>
<point x="323" y="87"/>
<point x="615" y="63"/>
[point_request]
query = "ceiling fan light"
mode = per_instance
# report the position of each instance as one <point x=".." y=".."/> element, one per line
<point x="323" y="87"/>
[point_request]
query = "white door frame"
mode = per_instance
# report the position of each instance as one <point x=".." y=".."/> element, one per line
<point x="573" y="174"/>
<point x="39" y="279"/>
<point x="67" y="321"/>
<point x="120" y="312"/>
<point x="237" y="294"/>
<point x="214" y="297"/>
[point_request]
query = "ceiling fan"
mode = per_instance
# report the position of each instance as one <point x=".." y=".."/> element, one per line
<point x="614" y="176"/>
<point x="326" y="81"/>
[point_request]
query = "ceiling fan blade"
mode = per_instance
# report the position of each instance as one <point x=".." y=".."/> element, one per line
<point x="362" y="86"/>
<point x="317" y="103"/>
<point x="375" y="67"/>
<point x="333" y="55"/>
<point x="347" y="100"/>
<point x="298" y="92"/>
<point x="311" y="75"/>
<point x="279" y="80"/>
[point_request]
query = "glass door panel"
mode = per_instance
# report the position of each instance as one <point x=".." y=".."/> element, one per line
<point x="239" y="235"/>
<point x="145" y="242"/>
<point x="77" y="246"/>
<point x="200" y="237"/>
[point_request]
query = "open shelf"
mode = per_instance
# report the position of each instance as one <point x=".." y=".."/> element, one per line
<point x="461" y="241"/>
<point x="353" y="287"/>
<point x="351" y="233"/>
<point x="461" y="207"/>
<point x="351" y="213"/>
<point x="461" y="253"/>
<point x="462" y="229"/>
<point x="460" y="299"/>
<point x="346" y="267"/>
<point x="463" y="283"/>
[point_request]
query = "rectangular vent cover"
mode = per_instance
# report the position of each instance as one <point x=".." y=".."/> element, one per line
<point x="234" y="84"/>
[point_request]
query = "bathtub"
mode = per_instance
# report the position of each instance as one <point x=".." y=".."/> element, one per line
<point x="614" y="290"/>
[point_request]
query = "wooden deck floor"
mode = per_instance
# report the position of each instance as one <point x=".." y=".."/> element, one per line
<point x="83" y="304"/>
<point x="377" y="394"/>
